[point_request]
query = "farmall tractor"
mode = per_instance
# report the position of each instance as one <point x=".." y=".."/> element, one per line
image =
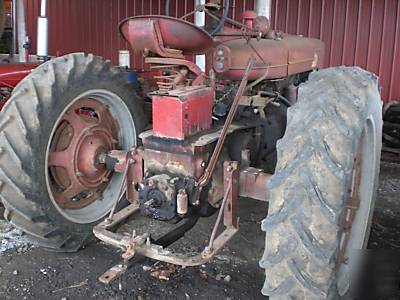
<point x="262" y="122"/>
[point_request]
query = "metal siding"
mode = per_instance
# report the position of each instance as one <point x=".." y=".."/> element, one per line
<point x="365" y="33"/>
<point x="91" y="25"/>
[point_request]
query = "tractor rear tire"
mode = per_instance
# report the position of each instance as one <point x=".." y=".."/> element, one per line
<point x="333" y="130"/>
<point x="27" y="124"/>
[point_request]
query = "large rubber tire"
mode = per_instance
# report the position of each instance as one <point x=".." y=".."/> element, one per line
<point x="26" y="123"/>
<point x="308" y="192"/>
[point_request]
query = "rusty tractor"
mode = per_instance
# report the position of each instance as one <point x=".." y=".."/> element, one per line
<point x="264" y="121"/>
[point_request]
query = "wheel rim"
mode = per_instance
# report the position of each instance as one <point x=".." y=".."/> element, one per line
<point x="79" y="186"/>
<point x="363" y="175"/>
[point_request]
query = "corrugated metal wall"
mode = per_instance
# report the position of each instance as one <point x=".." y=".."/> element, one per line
<point x="91" y="25"/>
<point x="356" y="32"/>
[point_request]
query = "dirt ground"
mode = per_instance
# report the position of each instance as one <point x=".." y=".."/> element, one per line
<point x="27" y="272"/>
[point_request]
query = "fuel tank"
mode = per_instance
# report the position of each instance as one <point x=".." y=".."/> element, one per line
<point x="275" y="57"/>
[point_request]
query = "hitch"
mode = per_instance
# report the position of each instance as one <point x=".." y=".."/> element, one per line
<point x="234" y="182"/>
<point x="141" y="244"/>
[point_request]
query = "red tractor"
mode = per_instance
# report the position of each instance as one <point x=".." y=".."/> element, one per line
<point x="262" y="122"/>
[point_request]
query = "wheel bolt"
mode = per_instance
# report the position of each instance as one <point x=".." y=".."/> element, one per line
<point x="101" y="158"/>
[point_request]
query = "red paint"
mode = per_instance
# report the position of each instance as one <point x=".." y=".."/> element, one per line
<point x="290" y="55"/>
<point x="248" y="17"/>
<point x="165" y="35"/>
<point x="12" y="74"/>
<point x="365" y="33"/>
<point x="186" y="113"/>
<point x="87" y="136"/>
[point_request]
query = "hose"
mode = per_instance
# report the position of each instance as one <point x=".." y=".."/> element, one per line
<point x="223" y="18"/>
<point x="220" y="23"/>
<point x="167" y="5"/>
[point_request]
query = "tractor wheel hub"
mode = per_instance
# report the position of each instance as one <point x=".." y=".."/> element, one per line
<point x="84" y="132"/>
<point x="91" y="171"/>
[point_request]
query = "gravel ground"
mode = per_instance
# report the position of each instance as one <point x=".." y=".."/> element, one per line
<point x="27" y="272"/>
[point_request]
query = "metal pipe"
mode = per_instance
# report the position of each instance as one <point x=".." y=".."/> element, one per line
<point x="43" y="8"/>
<point x="221" y="210"/>
<point x="199" y="20"/>
<point x="277" y="96"/>
<point x="14" y="28"/>
<point x="42" y="31"/>
<point x="167" y="6"/>
<point x="21" y="29"/>
<point x="263" y="8"/>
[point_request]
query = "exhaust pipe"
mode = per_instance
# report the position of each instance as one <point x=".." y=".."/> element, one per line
<point x="20" y="12"/>
<point x="263" y="8"/>
<point x="199" y="20"/>
<point x="42" y="32"/>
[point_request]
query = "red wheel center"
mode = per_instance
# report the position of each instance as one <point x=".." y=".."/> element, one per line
<point x="86" y="157"/>
<point x="86" y="130"/>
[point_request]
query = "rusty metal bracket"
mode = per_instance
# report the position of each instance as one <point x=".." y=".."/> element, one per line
<point x="231" y="183"/>
<point x="140" y="244"/>
<point x="113" y="273"/>
<point x="130" y="164"/>
<point x="253" y="184"/>
<point x="229" y="203"/>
